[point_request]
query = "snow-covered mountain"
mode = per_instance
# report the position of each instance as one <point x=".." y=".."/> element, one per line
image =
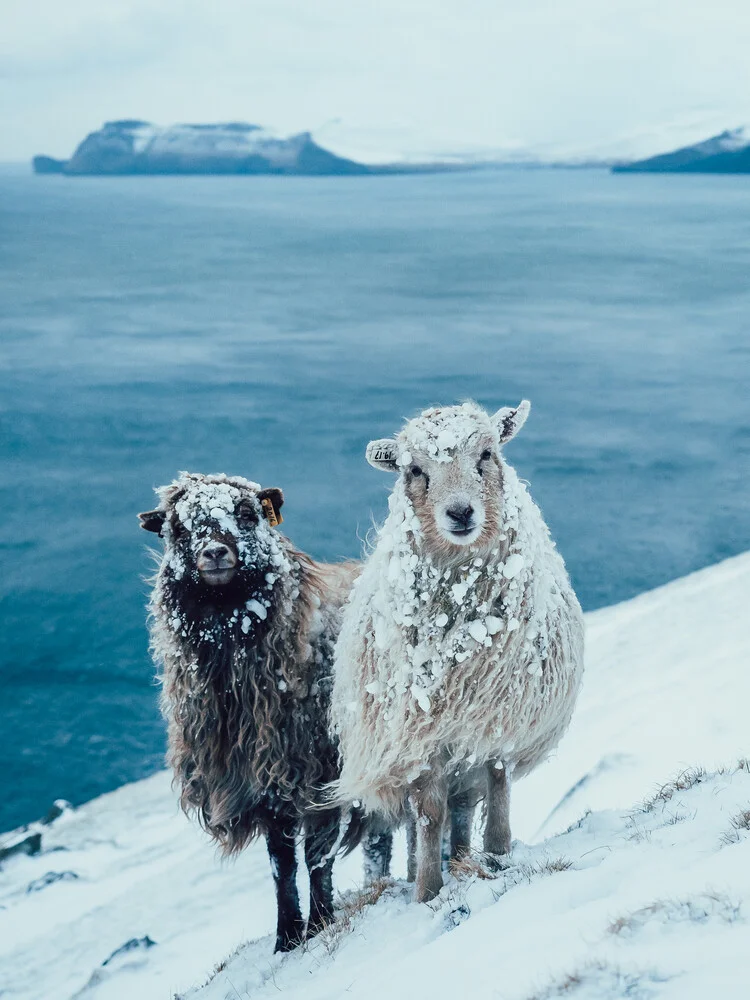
<point x="646" y="895"/>
<point x="726" y="153"/>
<point x="131" y="146"/>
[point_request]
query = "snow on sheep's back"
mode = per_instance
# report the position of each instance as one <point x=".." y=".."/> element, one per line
<point x="666" y="689"/>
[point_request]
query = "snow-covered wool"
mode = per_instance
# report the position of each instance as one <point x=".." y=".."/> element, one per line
<point x="243" y="625"/>
<point x="462" y="642"/>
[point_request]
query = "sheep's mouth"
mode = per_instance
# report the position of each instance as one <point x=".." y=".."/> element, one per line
<point x="464" y="536"/>
<point x="218" y="577"/>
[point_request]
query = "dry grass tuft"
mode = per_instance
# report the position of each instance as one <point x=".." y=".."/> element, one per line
<point x="528" y="873"/>
<point x="678" y="817"/>
<point x="492" y="868"/>
<point x="686" y="779"/>
<point x="579" y="822"/>
<point x="738" y="825"/>
<point x="696" y="909"/>
<point x="474" y="866"/>
<point x="601" y="979"/>
<point x="638" y="834"/>
<point x="351" y="907"/>
<point x="500" y="872"/>
<point x="552" y="865"/>
<point x="220" y="966"/>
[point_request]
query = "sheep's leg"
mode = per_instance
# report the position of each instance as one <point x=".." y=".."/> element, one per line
<point x="430" y="799"/>
<point x="497" y="830"/>
<point x="280" y="840"/>
<point x="411" y="850"/>
<point x="377" y="847"/>
<point x="462" y="816"/>
<point x="320" y="841"/>
<point x="445" y="843"/>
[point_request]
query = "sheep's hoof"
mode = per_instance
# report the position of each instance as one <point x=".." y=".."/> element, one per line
<point x="428" y="891"/>
<point x="289" y="940"/>
<point x="284" y="945"/>
<point x="496" y="862"/>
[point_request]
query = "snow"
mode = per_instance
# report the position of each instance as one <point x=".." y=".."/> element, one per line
<point x="438" y="432"/>
<point x="216" y="140"/>
<point x="633" y="901"/>
<point x="735" y="139"/>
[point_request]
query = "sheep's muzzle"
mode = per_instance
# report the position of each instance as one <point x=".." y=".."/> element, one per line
<point x="217" y="564"/>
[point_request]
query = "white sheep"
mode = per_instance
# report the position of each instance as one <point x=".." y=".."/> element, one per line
<point x="461" y="650"/>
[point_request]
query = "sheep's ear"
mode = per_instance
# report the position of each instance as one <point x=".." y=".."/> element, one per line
<point x="382" y="454"/>
<point x="510" y="419"/>
<point x="152" y="520"/>
<point x="272" y="500"/>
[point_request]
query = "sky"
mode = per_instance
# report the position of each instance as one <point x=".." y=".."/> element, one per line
<point x="381" y="78"/>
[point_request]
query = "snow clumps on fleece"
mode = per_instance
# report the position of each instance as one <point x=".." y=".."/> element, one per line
<point x="477" y="657"/>
<point x="203" y="504"/>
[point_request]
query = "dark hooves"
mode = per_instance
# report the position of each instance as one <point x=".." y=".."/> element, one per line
<point x="290" y="939"/>
<point x="288" y="942"/>
<point x="496" y="862"/>
<point x="285" y="944"/>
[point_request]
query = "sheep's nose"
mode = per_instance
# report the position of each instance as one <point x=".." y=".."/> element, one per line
<point x="461" y="514"/>
<point x="216" y="552"/>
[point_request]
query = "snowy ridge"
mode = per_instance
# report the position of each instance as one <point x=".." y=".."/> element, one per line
<point x="736" y="138"/>
<point x="234" y="139"/>
<point x="723" y="153"/>
<point x="633" y="901"/>
<point x="132" y="146"/>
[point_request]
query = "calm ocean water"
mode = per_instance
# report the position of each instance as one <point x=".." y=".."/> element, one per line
<point x="272" y="326"/>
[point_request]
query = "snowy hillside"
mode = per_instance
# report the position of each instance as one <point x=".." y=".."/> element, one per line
<point x="727" y="153"/>
<point x="646" y="896"/>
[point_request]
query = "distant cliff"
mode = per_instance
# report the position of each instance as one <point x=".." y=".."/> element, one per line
<point x="137" y="147"/>
<point x="727" y="153"/>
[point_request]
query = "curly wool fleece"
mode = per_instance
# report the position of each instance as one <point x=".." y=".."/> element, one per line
<point x="462" y="662"/>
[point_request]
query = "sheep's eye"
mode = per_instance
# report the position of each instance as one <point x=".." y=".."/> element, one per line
<point x="245" y="512"/>
<point x="484" y="457"/>
<point x="416" y="471"/>
<point x="178" y="528"/>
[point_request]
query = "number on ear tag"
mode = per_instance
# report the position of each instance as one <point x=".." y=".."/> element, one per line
<point x="273" y="516"/>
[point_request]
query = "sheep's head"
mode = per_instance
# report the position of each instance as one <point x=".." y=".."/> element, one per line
<point x="217" y="533"/>
<point x="450" y="461"/>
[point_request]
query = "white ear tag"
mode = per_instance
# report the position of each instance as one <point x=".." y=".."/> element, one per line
<point x="383" y="454"/>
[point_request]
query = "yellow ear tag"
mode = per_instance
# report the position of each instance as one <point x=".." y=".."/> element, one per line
<point x="273" y="516"/>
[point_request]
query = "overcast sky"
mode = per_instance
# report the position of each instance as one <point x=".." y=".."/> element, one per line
<point x="399" y="75"/>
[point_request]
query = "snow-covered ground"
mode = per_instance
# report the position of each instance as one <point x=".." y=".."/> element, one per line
<point x="647" y="895"/>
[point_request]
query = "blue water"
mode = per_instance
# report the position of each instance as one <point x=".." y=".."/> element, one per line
<point x="272" y="326"/>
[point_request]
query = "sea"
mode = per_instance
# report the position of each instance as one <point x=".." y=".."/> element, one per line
<point x="271" y="326"/>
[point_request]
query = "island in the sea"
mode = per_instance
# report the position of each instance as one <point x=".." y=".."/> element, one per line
<point x="131" y="146"/>
<point x="727" y="153"/>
